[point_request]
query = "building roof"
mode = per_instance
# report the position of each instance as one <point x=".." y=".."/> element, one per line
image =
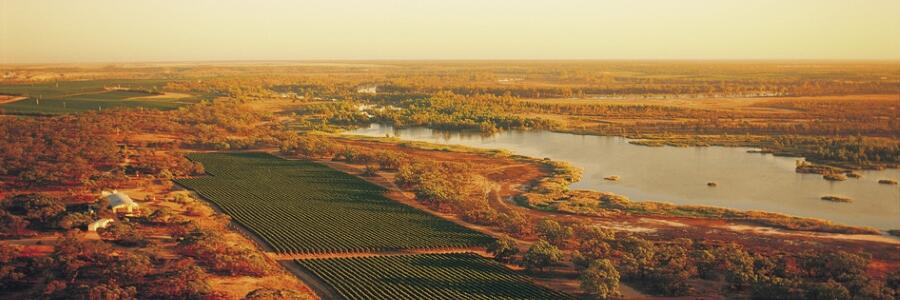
<point x="118" y="199"/>
<point x="102" y="223"/>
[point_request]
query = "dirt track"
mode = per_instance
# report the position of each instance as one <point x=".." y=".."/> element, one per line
<point x="10" y="99"/>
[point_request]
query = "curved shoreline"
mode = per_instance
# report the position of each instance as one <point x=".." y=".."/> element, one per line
<point x="765" y="222"/>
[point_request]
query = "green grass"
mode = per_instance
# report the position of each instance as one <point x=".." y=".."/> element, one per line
<point x="52" y="89"/>
<point x="425" y="276"/>
<point x="305" y="207"/>
<point x="78" y="96"/>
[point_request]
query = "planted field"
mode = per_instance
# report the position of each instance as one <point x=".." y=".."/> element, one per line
<point x="305" y="207"/>
<point x="79" y="96"/>
<point x="425" y="276"/>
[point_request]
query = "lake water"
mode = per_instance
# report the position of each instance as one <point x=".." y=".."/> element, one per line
<point x="746" y="181"/>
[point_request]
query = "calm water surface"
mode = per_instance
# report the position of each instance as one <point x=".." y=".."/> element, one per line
<point x="746" y="181"/>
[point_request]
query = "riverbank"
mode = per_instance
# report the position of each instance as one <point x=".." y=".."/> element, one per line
<point x="551" y="193"/>
<point x="767" y="145"/>
<point x="681" y="175"/>
<point x="581" y="202"/>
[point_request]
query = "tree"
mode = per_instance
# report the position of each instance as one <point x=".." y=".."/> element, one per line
<point x="593" y="249"/>
<point x="39" y="209"/>
<point x="390" y="160"/>
<point x="514" y="223"/>
<point x="12" y="225"/>
<point x="112" y="290"/>
<point x="893" y="282"/>
<point x="162" y="216"/>
<point x="553" y="232"/>
<point x="637" y="256"/>
<point x="601" y="279"/>
<point x="737" y="265"/>
<point x="828" y="265"/>
<point x="213" y="251"/>
<point x="829" y="290"/>
<point x="848" y="270"/>
<point x="75" y="220"/>
<point x="128" y="268"/>
<point x="503" y="248"/>
<point x="123" y="233"/>
<point x="774" y="287"/>
<point x="705" y="260"/>
<point x="72" y="253"/>
<point x="671" y="269"/>
<point x="12" y="273"/>
<point x="542" y="254"/>
<point x="180" y="279"/>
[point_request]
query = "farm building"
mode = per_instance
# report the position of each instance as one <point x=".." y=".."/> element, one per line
<point x="102" y="223"/>
<point x="119" y="202"/>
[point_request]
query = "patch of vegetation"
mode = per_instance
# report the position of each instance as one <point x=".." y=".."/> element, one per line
<point x="837" y="199"/>
<point x="671" y="267"/>
<point x="73" y="97"/>
<point x="588" y="202"/>
<point x="485" y="113"/>
<point x="832" y="154"/>
<point x="81" y="269"/>
<point x="305" y="207"/>
<point x="426" y="276"/>
<point x="213" y="251"/>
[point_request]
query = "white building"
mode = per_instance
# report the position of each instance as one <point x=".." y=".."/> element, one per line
<point x="102" y="223"/>
<point x="119" y="202"/>
<point x="369" y="89"/>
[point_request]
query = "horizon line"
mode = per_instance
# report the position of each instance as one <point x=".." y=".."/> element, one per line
<point x="325" y="60"/>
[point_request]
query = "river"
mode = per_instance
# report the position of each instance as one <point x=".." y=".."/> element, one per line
<point x="746" y="181"/>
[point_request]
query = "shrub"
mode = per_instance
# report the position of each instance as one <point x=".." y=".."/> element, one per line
<point x="75" y="220"/>
<point x="124" y="234"/>
<point x="213" y="251"/>
<point x="275" y="294"/>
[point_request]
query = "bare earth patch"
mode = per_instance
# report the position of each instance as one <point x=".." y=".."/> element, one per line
<point x="163" y="96"/>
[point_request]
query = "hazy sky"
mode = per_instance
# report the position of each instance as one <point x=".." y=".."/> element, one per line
<point x="116" y="30"/>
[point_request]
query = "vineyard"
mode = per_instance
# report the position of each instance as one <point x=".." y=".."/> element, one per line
<point x="301" y="207"/>
<point x="425" y="276"/>
<point x="52" y="98"/>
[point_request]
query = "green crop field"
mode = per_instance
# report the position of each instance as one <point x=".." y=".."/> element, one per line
<point x="306" y="207"/>
<point x="78" y="96"/>
<point x="425" y="276"/>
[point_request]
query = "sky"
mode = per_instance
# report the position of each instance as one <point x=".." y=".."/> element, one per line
<point x="64" y="31"/>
